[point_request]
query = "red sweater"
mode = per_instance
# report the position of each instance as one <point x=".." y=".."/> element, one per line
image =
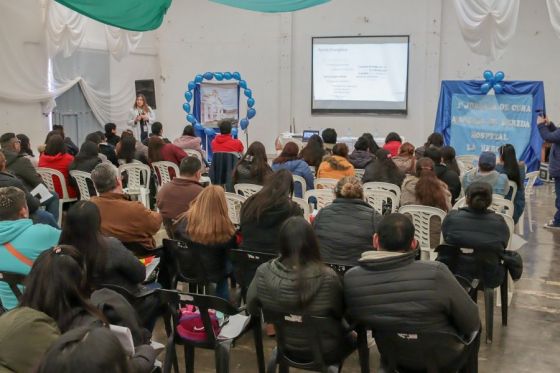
<point x="392" y="147"/>
<point x="172" y="153"/>
<point x="226" y="143"/>
<point x="59" y="162"/>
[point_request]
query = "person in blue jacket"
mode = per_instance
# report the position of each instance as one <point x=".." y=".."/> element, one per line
<point x="22" y="241"/>
<point x="550" y="133"/>
<point x="288" y="160"/>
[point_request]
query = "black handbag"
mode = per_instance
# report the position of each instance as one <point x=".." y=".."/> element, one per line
<point x="514" y="264"/>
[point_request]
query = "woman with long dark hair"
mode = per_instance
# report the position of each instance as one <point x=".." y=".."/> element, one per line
<point x="56" y="157"/>
<point x="128" y="150"/>
<point x="383" y="169"/>
<point x="26" y="150"/>
<point x="140" y="117"/>
<point x="448" y="157"/>
<point x="372" y="145"/>
<point x="253" y="167"/>
<point x="515" y="172"/>
<point x="288" y="160"/>
<point x="158" y="151"/>
<point x="298" y="282"/>
<point x="313" y="152"/>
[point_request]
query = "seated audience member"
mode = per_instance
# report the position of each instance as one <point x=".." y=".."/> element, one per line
<point x="128" y="221"/>
<point x="405" y="160"/>
<point x="111" y="134"/>
<point x="476" y="227"/>
<point x="107" y="149"/>
<point x="392" y="143"/>
<point x="128" y="151"/>
<point x="487" y="173"/>
<point x="329" y="139"/>
<point x="383" y="169"/>
<point x="515" y="172"/>
<point x="424" y="188"/>
<point x="55" y="157"/>
<point x="189" y="140"/>
<point x="26" y="151"/>
<point x="159" y="151"/>
<point x="336" y="166"/>
<point x="175" y="197"/>
<point x="224" y="142"/>
<point x="444" y="173"/>
<point x="22" y="240"/>
<point x="96" y="139"/>
<point x="435" y="140"/>
<point x="448" y="158"/>
<point x="372" y="145"/>
<point x="71" y="148"/>
<point x="433" y="301"/>
<point x="288" y="160"/>
<point x="253" y="167"/>
<point x="85" y="161"/>
<point x="157" y="131"/>
<point x="313" y="152"/>
<point x="345" y="227"/>
<point x="35" y="213"/>
<point x="206" y="227"/>
<point x="361" y="156"/>
<point x="298" y="282"/>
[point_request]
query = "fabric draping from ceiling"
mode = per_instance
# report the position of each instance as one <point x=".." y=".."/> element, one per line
<point x="272" y="6"/>
<point x="134" y="15"/>
<point x="487" y="25"/>
<point x="554" y="14"/>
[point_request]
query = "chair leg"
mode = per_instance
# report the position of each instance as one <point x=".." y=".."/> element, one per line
<point x="189" y="359"/>
<point x="504" y="299"/>
<point x="170" y="357"/>
<point x="257" y="334"/>
<point x="271" y="366"/>
<point x="60" y="203"/>
<point x="363" y="350"/>
<point x="222" y="356"/>
<point x="489" y="313"/>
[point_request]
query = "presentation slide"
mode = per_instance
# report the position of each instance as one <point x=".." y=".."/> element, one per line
<point x="360" y="74"/>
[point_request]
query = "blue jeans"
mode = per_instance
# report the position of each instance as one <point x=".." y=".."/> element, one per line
<point x="556" y="221"/>
<point x="51" y="205"/>
<point x="44" y="217"/>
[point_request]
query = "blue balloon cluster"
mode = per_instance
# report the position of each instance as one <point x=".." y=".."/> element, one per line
<point x="492" y="81"/>
<point x="199" y="78"/>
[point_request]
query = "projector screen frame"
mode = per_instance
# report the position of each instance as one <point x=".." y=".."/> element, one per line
<point x="361" y="111"/>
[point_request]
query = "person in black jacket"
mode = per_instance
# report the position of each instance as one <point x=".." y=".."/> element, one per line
<point x="391" y="291"/>
<point x="85" y="161"/>
<point x="111" y="134"/>
<point x="253" y="167"/>
<point x="443" y="172"/>
<point x="383" y="169"/>
<point x="107" y="149"/>
<point x="345" y="228"/>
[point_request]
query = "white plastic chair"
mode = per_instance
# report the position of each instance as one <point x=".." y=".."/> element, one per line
<point x="304" y="206"/>
<point x="359" y="172"/>
<point x="512" y="185"/>
<point x="461" y="202"/>
<point x="380" y="198"/>
<point x="323" y="197"/>
<point x="234" y="203"/>
<point x="421" y="216"/>
<point x="193" y="153"/>
<point x="501" y="205"/>
<point x="301" y="181"/>
<point x="162" y="171"/>
<point x="246" y="190"/>
<point x="81" y="179"/>
<point x="138" y="181"/>
<point x="48" y="175"/>
<point x="324" y="183"/>
<point x="529" y="190"/>
<point x="378" y="185"/>
<point x="469" y="162"/>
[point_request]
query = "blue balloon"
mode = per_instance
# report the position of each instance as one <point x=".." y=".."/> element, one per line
<point x="499" y="76"/>
<point x="250" y="102"/>
<point x="244" y="123"/>
<point x="191" y="118"/>
<point x="485" y="88"/>
<point x="488" y="75"/>
<point x="208" y="75"/>
<point x="187" y="107"/>
<point x="234" y="132"/>
<point x="219" y="76"/>
<point x="188" y="96"/>
<point x="209" y="132"/>
<point x="248" y="93"/>
<point x="236" y="75"/>
<point x="243" y="84"/>
<point x="498" y="88"/>
<point x="191" y="85"/>
<point x="251" y="113"/>
<point x="198" y="78"/>
<point x="198" y="127"/>
<point x="227" y="75"/>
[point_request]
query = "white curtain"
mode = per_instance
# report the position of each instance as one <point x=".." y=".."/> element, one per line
<point x="554" y="14"/>
<point x="65" y="29"/>
<point x="487" y="25"/>
<point x="121" y="42"/>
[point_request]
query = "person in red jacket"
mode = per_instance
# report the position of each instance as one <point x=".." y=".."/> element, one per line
<point x="158" y="151"/>
<point x="224" y="142"/>
<point x="392" y="143"/>
<point x="55" y="157"/>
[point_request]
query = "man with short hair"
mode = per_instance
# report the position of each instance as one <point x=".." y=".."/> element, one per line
<point x="129" y="221"/>
<point x="486" y="173"/>
<point x="443" y="173"/>
<point x="329" y="139"/>
<point x="157" y="131"/>
<point x="391" y="291"/>
<point x="71" y="148"/>
<point x="107" y="149"/>
<point x="22" y="240"/>
<point x="175" y="197"/>
<point x="224" y="142"/>
<point x="111" y="134"/>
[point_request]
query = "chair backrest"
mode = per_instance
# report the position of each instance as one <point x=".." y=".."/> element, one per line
<point x="421" y="216"/>
<point x="324" y="183"/>
<point x="378" y="185"/>
<point x="512" y="186"/>
<point x="531" y="179"/>
<point x="137" y="175"/>
<point x="323" y="197"/>
<point x="244" y="264"/>
<point x="301" y="181"/>
<point x="221" y="169"/>
<point x="246" y="190"/>
<point x="461" y="202"/>
<point x="304" y="206"/>
<point x="193" y="153"/>
<point x="383" y="201"/>
<point x="13" y="280"/>
<point x="511" y="226"/>
<point x="161" y="170"/>
<point x="234" y="203"/>
<point x="83" y="181"/>
<point x="359" y="172"/>
<point x="469" y="162"/>
<point x="501" y="205"/>
<point x="48" y="175"/>
<point x="183" y="263"/>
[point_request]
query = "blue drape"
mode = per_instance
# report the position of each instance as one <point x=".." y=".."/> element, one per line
<point x="530" y="155"/>
<point x="271" y="6"/>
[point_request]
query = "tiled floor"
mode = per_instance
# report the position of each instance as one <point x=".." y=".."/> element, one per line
<point x="530" y="342"/>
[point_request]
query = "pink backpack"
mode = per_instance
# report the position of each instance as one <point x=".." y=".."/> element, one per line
<point x="191" y="326"/>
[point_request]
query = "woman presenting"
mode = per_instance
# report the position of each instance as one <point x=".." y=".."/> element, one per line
<point x="140" y="117"/>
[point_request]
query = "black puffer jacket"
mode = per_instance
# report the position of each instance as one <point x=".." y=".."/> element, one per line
<point x="392" y="292"/>
<point x="345" y="230"/>
<point x="275" y="287"/>
<point x="360" y="158"/>
<point x="450" y="178"/>
<point x="21" y="166"/>
<point x="242" y="174"/>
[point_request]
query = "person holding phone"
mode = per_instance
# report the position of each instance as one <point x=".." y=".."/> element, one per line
<point x="140" y="116"/>
<point x="550" y="133"/>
